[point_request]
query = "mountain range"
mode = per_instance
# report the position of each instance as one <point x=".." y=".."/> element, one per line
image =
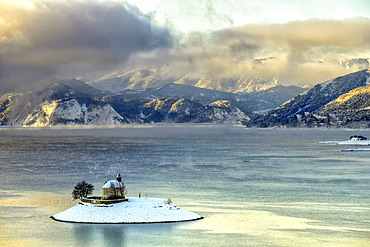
<point x="343" y="101"/>
<point x="75" y="102"/>
<point x="149" y="78"/>
<point x="139" y="79"/>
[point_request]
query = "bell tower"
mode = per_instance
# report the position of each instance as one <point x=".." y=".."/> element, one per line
<point x="119" y="178"/>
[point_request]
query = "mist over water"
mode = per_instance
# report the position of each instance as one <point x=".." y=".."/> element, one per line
<point x="255" y="187"/>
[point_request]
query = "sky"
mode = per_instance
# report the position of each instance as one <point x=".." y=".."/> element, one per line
<point x="207" y="15"/>
<point x="298" y="42"/>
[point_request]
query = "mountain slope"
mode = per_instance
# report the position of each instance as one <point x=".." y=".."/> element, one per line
<point x="250" y="103"/>
<point x="63" y="102"/>
<point x="351" y="107"/>
<point x="312" y="100"/>
<point x="71" y="112"/>
<point x="137" y="79"/>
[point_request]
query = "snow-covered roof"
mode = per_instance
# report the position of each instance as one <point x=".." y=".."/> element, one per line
<point x="113" y="184"/>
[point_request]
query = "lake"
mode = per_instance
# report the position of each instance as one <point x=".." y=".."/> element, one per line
<point x="254" y="187"/>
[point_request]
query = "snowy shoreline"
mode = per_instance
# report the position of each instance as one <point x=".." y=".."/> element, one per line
<point x="126" y="223"/>
<point x="134" y="211"/>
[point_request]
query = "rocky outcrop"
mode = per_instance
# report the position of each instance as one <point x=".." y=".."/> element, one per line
<point x="71" y="112"/>
<point x="6" y="105"/>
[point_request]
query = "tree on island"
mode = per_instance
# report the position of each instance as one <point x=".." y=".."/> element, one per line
<point x="82" y="189"/>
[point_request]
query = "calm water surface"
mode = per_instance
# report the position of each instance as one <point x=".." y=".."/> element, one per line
<point x="255" y="187"/>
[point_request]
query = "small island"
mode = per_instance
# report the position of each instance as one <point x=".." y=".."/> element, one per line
<point x="114" y="208"/>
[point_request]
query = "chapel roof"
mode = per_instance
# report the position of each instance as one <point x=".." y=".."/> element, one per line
<point x="113" y="184"/>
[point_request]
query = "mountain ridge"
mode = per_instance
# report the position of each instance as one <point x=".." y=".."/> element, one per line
<point x="153" y="77"/>
<point x="74" y="102"/>
<point x="307" y="104"/>
<point x="342" y="101"/>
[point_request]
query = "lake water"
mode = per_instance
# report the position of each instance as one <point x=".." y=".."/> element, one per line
<point x="255" y="187"/>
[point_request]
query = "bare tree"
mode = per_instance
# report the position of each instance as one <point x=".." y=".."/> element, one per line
<point x="82" y="189"/>
<point x="123" y="190"/>
<point x="119" y="191"/>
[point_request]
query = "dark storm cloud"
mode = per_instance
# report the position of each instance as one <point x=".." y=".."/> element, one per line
<point x="72" y="38"/>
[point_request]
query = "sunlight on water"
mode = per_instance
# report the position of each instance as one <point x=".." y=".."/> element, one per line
<point x="43" y="201"/>
<point x="267" y="227"/>
<point x="280" y="230"/>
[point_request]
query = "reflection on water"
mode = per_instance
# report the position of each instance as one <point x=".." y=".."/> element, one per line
<point x="254" y="187"/>
<point x="83" y="233"/>
<point x="112" y="235"/>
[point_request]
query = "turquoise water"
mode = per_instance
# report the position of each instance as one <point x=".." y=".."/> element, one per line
<point x="255" y="187"/>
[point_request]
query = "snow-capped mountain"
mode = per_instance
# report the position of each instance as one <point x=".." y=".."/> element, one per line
<point x="243" y="84"/>
<point x="137" y="79"/>
<point x="71" y="112"/>
<point x="322" y="103"/>
<point x="341" y="101"/>
<point x="64" y="102"/>
<point x="75" y="103"/>
<point x="149" y="78"/>
<point x="142" y="79"/>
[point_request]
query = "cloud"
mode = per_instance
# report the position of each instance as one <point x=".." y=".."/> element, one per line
<point x="44" y="40"/>
<point x="298" y="52"/>
<point x="48" y="39"/>
<point x="296" y="45"/>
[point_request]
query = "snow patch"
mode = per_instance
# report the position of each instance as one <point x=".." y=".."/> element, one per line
<point x="134" y="211"/>
<point x="356" y="150"/>
<point x="355" y="143"/>
<point x="368" y="81"/>
<point x="325" y="84"/>
<point x="262" y="112"/>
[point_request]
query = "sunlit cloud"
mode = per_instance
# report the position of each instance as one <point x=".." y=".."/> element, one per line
<point x="297" y="52"/>
<point x="45" y="40"/>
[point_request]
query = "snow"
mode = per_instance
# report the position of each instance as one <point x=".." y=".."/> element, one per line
<point x="325" y="84"/>
<point x="113" y="184"/>
<point x="329" y="142"/>
<point x="134" y="211"/>
<point x="72" y="112"/>
<point x="356" y="150"/>
<point x="350" y="142"/>
<point x="368" y="81"/>
<point x="353" y="142"/>
<point x="262" y="112"/>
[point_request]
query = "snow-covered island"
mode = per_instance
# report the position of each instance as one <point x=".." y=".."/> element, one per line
<point x="114" y="208"/>
<point x="353" y="141"/>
